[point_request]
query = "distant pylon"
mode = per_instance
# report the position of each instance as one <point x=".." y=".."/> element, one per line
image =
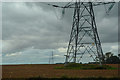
<point x="51" y="58"/>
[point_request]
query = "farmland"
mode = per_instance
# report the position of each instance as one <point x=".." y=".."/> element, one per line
<point x="49" y="71"/>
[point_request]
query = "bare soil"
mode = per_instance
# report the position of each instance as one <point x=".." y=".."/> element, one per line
<point x="49" y="71"/>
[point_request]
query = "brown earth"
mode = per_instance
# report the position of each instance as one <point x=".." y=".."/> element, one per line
<point x="49" y="71"/>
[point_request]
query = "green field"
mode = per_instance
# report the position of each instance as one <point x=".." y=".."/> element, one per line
<point x="85" y="66"/>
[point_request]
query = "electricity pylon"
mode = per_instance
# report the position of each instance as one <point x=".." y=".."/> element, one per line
<point x="51" y="59"/>
<point x="84" y="37"/>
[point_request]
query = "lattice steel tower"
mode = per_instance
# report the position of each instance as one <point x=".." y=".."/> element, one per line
<point x="51" y="58"/>
<point x="84" y="36"/>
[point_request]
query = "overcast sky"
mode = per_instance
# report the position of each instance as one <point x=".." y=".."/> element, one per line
<point x="31" y="31"/>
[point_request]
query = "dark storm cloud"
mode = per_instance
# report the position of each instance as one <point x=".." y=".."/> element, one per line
<point x="35" y="25"/>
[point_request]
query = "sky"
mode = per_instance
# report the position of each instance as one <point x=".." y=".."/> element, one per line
<point x="32" y="30"/>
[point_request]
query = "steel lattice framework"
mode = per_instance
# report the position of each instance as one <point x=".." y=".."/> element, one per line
<point x="84" y="36"/>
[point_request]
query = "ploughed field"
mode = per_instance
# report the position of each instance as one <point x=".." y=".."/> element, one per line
<point x="49" y="71"/>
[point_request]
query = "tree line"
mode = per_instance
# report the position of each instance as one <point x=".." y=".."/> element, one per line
<point x="110" y="58"/>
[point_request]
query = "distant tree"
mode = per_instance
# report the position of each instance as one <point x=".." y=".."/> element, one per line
<point x="112" y="60"/>
<point x="119" y="56"/>
<point x="80" y="62"/>
<point x="108" y="55"/>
